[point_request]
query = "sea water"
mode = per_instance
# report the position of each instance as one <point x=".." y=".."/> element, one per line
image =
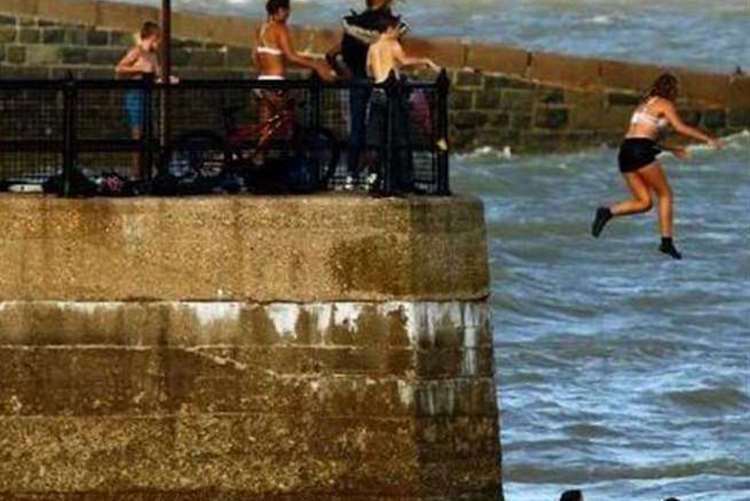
<point x="620" y="371"/>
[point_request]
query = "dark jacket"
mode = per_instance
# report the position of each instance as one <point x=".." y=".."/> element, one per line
<point x="361" y="30"/>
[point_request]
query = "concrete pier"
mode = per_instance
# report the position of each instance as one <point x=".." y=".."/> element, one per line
<point x="324" y="347"/>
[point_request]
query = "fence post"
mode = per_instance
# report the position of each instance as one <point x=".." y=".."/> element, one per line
<point x="146" y="139"/>
<point x="443" y="159"/>
<point x="391" y="92"/>
<point x="316" y="118"/>
<point x="70" y="153"/>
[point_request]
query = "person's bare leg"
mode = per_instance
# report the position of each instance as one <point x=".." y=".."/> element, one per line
<point x="657" y="181"/>
<point x="639" y="203"/>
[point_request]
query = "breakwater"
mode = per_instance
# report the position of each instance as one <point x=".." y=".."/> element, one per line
<point x="502" y="96"/>
<point x="324" y="347"/>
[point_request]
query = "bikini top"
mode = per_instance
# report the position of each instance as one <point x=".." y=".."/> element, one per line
<point x="643" y="117"/>
<point x="265" y="49"/>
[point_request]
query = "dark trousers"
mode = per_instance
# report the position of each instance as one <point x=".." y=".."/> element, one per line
<point x="401" y="158"/>
<point x="359" y="100"/>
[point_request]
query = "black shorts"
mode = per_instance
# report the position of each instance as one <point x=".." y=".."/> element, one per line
<point x="636" y="153"/>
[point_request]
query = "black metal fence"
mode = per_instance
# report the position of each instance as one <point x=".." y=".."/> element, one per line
<point x="78" y="136"/>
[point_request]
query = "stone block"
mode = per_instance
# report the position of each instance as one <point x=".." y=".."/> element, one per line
<point x="497" y="59"/>
<point x="488" y="99"/>
<point x="7" y="20"/>
<point x="180" y="57"/>
<point x="739" y="92"/>
<point x="469" y="119"/>
<point x="711" y="88"/>
<point x="624" y="99"/>
<point x="29" y="36"/>
<point x="8" y="34"/>
<point x="739" y="117"/>
<point x="42" y="54"/>
<point x="494" y="82"/>
<point x="105" y="57"/>
<point x="75" y="11"/>
<point x="2" y="53"/>
<point x="75" y="36"/>
<point x="446" y="53"/>
<point x="240" y="57"/>
<point x="26" y="72"/>
<point x="616" y="118"/>
<point x="21" y="8"/>
<point x="551" y="118"/>
<point x="629" y="76"/>
<point x="125" y="17"/>
<point x="714" y="119"/>
<point x="520" y="121"/>
<point x="15" y="54"/>
<point x="90" y="73"/>
<point x="206" y="58"/>
<point x="468" y="79"/>
<point x="690" y="116"/>
<point x="54" y="36"/>
<point x="122" y="39"/>
<point x="501" y="120"/>
<point x="550" y="95"/>
<point x="97" y="37"/>
<point x="518" y="99"/>
<point x="461" y="100"/>
<point x="74" y="55"/>
<point x="568" y="71"/>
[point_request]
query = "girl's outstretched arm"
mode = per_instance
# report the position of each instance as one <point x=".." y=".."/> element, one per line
<point x="321" y="67"/>
<point x="682" y="128"/>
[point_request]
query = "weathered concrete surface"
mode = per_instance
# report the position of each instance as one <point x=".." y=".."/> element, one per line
<point x="136" y="379"/>
<point x="317" y="248"/>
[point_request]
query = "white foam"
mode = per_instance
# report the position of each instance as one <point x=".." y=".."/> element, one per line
<point x="210" y="313"/>
<point x="284" y="317"/>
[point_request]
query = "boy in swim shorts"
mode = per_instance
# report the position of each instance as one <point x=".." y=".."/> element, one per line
<point x="139" y="61"/>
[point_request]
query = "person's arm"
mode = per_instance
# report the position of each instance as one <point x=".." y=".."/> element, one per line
<point x="129" y="65"/>
<point x="405" y="60"/>
<point x="334" y="52"/>
<point x="678" y="151"/>
<point x="285" y="44"/>
<point x="674" y="119"/>
<point x="364" y="35"/>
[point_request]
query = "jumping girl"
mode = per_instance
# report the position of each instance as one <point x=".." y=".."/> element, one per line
<point x="639" y="165"/>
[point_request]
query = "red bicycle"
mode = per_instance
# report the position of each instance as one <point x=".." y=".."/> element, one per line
<point x="278" y="144"/>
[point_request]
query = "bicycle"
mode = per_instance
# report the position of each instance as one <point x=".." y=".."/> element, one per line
<point x="306" y="157"/>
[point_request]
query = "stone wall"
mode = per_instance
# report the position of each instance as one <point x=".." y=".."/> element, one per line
<point x="313" y="348"/>
<point x="503" y="96"/>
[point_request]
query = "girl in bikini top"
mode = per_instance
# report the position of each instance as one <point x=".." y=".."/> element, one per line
<point x="642" y="116"/>
<point x="263" y="47"/>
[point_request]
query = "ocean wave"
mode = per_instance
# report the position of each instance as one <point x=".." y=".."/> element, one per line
<point x="710" y="399"/>
<point x="531" y="473"/>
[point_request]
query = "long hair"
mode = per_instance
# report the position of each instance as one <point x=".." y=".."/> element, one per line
<point x="273" y="6"/>
<point x="666" y="87"/>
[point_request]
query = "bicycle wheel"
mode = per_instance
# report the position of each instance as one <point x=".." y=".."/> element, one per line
<point x="320" y="147"/>
<point x="200" y="153"/>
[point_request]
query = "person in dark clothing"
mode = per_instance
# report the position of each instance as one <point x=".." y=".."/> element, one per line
<point x="360" y="31"/>
<point x="574" y="495"/>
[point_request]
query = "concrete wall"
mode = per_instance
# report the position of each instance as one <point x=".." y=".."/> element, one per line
<point x="503" y="95"/>
<point x="326" y="348"/>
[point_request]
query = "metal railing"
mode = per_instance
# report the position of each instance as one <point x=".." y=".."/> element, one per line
<point x="225" y="136"/>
